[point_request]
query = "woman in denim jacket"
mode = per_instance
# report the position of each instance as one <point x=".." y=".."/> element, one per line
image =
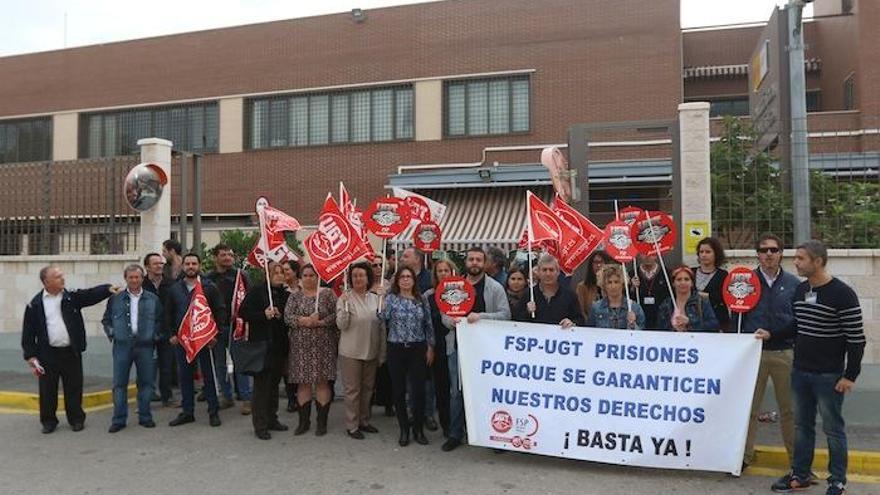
<point x="611" y="311"/>
<point x="694" y="312"/>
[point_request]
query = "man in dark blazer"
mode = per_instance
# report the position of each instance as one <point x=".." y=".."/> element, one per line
<point x="53" y="339"/>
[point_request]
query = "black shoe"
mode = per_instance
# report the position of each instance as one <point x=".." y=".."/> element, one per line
<point x="182" y="419"/>
<point x="278" y="426"/>
<point x="389" y="411"/>
<point x="430" y="424"/>
<point x="214" y="420"/>
<point x="356" y="434"/>
<point x="419" y="436"/>
<point x="148" y="423"/>
<point x="115" y="427"/>
<point x="77" y="427"/>
<point x="263" y="435"/>
<point x="368" y="429"/>
<point x="790" y="483"/>
<point x="403" y="441"/>
<point x="201" y="396"/>
<point x="49" y="429"/>
<point x="450" y="445"/>
<point x="305" y="413"/>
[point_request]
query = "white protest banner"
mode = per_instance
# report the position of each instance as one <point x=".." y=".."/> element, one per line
<point x="656" y="399"/>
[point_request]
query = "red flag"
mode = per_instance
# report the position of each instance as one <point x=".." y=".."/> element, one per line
<point x="580" y="237"/>
<point x="271" y="246"/>
<point x="542" y="223"/>
<point x="198" y="326"/>
<point x="238" y="293"/>
<point x="335" y="245"/>
<point x="582" y="224"/>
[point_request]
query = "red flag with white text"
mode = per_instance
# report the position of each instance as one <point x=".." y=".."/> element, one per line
<point x="336" y="244"/>
<point x="238" y="293"/>
<point x="198" y="327"/>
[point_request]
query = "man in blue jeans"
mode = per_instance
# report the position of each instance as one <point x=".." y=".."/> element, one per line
<point x="490" y="303"/>
<point x="829" y="345"/>
<point x="133" y="323"/>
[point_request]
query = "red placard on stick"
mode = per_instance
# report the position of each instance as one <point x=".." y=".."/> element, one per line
<point x="653" y="226"/>
<point x="426" y="237"/>
<point x="618" y="241"/>
<point x="741" y="290"/>
<point x="387" y="217"/>
<point x="629" y="214"/>
<point x="455" y="296"/>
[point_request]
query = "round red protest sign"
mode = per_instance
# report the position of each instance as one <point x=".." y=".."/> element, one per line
<point x="455" y="296"/>
<point x="387" y="217"/>
<point x="629" y="214"/>
<point x="426" y="237"/>
<point x="618" y="242"/>
<point x="741" y="290"/>
<point x="653" y="226"/>
<point x="418" y="209"/>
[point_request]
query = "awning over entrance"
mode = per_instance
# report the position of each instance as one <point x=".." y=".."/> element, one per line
<point x="492" y="216"/>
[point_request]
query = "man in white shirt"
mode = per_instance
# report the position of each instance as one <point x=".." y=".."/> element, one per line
<point x="53" y="339"/>
<point x="133" y="321"/>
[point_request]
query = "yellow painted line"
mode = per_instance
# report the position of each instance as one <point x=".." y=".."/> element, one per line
<point x="860" y="461"/>
<point x="30" y="402"/>
<point x="775" y="473"/>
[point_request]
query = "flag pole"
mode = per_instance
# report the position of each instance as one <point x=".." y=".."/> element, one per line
<point x="662" y="263"/>
<point x="264" y="244"/>
<point x="529" y="254"/>
<point x="384" y="260"/>
<point x="214" y="373"/>
<point x="622" y="265"/>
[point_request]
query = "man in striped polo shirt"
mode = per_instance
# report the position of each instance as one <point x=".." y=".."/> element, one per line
<point x="828" y="352"/>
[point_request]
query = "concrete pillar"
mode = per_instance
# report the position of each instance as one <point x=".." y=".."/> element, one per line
<point x="695" y="191"/>
<point x="428" y="110"/>
<point x="65" y="136"/>
<point x="156" y="222"/>
<point x="231" y="125"/>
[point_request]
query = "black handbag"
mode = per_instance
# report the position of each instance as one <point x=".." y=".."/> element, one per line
<point x="249" y="358"/>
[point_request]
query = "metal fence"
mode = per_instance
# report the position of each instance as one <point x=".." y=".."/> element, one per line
<point x="66" y="207"/>
<point x="752" y="190"/>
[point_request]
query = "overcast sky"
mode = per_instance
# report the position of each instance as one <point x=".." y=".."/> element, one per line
<point x="38" y="25"/>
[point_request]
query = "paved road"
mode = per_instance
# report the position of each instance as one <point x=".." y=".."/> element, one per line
<point x="199" y="459"/>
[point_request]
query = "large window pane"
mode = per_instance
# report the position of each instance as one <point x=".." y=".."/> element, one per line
<point x="519" y="89"/>
<point x="319" y="119"/>
<point x="212" y="128"/>
<point x="278" y="123"/>
<point x="339" y="118"/>
<point x="94" y="137"/>
<point x="478" y="108"/>
<point x="299" y="121"/>
<point x="382" y="112"/>
<point x="455" y="109"/>
<point x="360" y="116"/>
<point x="403" y="107"/>
<point x="499" y="107"/>
<point x="110" y="136"/>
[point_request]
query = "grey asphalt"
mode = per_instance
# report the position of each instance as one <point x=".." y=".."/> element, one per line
<point x="198" y="459"/>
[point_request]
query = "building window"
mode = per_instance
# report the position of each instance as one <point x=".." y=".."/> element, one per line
<point x="26" y="140"/>
<point x="814" y="101"/>
<point x="361" y="116"/>
<point x="192" y="128"/>
<point x="481" y="107"/>
<point x="849" y="92"/>
<point x="735" y="106"/>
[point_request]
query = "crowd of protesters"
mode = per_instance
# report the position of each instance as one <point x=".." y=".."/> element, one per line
<point x="389" y="343"/>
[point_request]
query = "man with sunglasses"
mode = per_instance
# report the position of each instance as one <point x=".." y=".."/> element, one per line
<point x="772" y="314"/>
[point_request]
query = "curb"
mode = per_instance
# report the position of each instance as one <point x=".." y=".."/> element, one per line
<point x="30" y="402"/>
<point x="860" y="461"/>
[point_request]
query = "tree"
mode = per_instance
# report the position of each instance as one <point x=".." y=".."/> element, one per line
<point x="748" y="193"/>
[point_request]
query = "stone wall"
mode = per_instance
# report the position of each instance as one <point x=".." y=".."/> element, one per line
<point x="20" y="281"/>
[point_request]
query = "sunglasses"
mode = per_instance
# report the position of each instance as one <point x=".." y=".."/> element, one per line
<point x="376" y="265"/>
<point x="765" y="250"/>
